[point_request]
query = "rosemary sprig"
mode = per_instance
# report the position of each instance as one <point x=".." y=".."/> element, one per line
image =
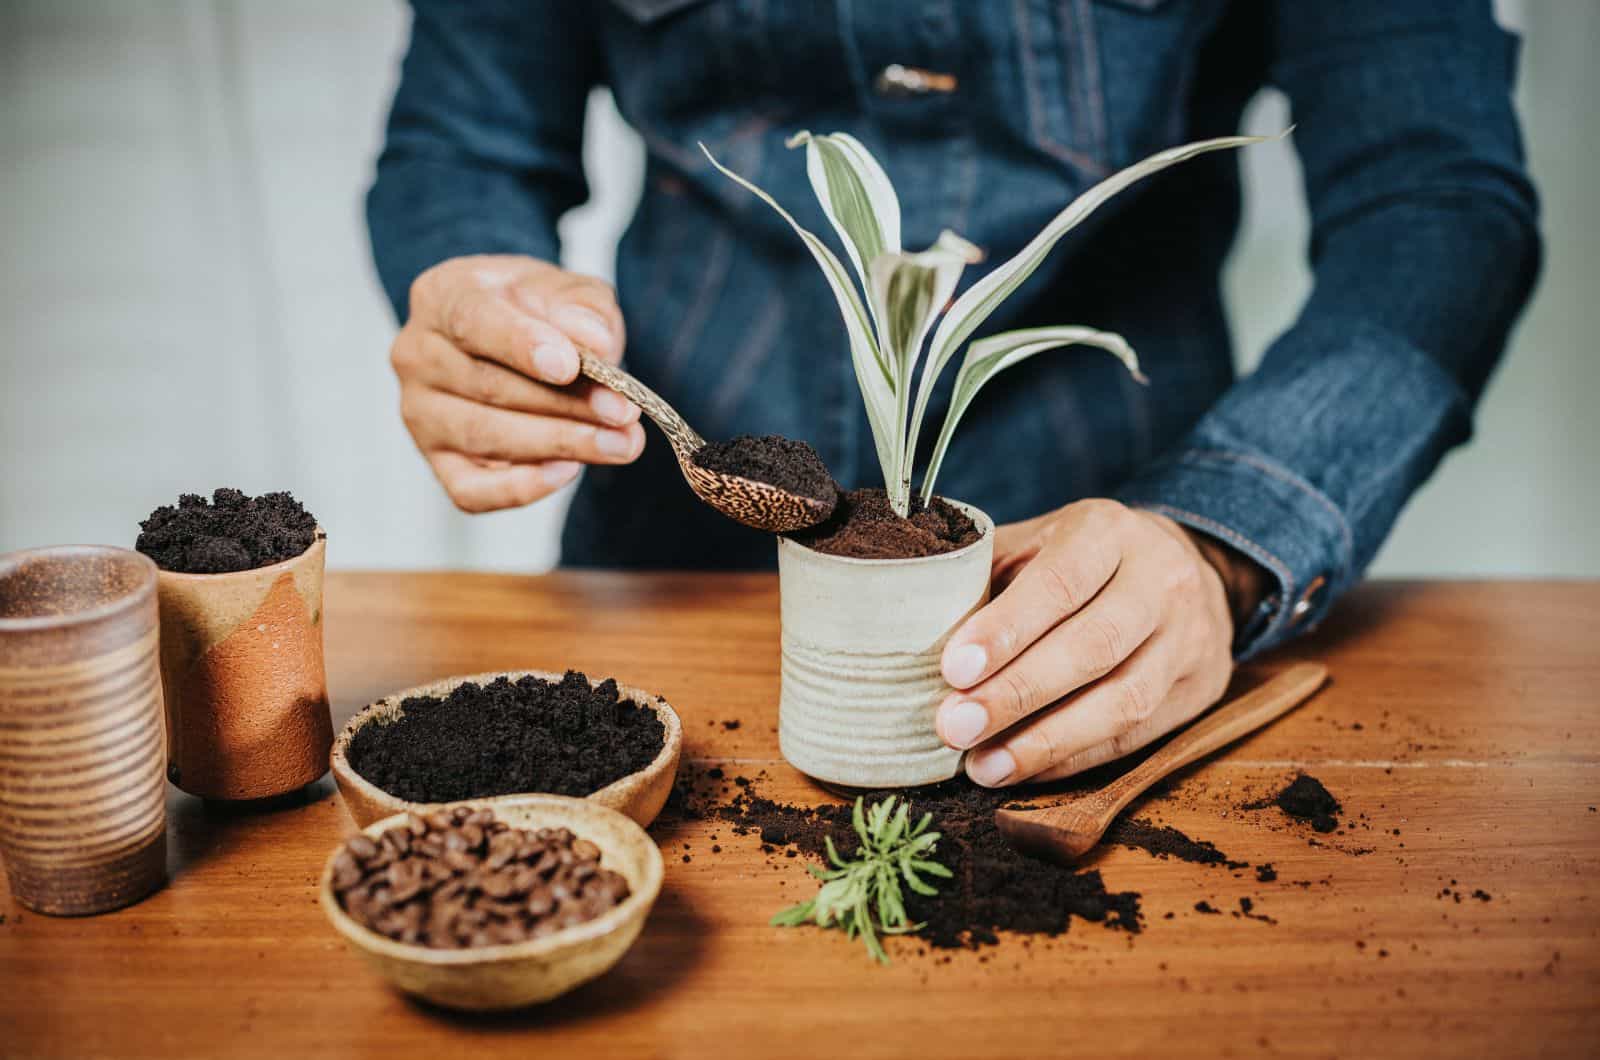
<point x="866" y="887"/>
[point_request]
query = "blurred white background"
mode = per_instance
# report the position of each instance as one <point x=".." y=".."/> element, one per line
<point x="188" y="300"/>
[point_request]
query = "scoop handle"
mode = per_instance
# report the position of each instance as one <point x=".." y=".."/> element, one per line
<point x="685" y="442"/>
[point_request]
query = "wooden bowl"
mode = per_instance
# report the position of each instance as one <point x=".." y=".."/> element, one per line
<point x="523" y="973"/>
<point x="638" y="795"/>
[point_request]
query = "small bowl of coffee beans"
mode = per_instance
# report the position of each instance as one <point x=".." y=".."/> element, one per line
<point x="493" y="906"/>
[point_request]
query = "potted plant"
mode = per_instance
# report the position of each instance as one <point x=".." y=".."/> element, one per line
<point x="862" y="637"/>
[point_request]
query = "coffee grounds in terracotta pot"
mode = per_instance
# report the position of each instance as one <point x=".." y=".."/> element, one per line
<point x="783" y="462"/>
<point x="230" y="532"/>
<point x="463" y="878"/>
<point x="531" y="735"/>
<point x="864" y="526"/>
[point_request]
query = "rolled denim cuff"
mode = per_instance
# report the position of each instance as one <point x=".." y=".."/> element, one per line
<point x="1269" y="514"/>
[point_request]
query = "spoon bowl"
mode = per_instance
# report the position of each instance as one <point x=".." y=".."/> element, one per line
<point x="759" y="505"/>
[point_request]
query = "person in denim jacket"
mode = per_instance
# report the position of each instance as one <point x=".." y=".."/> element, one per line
<point x="1150" y="536"/>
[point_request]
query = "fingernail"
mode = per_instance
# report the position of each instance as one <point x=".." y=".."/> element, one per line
<point x="617" y="444"/>
<point x="612" y="406"/>
<point x="964" y="665"/>
<point x="991" y="768"/>
<point x="554" y="364"/>
<point x="558" y="473"/>
<point x="963" y="723"/>
<point x="582" y="323"/>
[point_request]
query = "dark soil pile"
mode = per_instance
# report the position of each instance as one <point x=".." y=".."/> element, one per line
<point x="994" y="888"/>
<point x="230" y="532"/>
<point x="864" y="526"/>
<point x="783" y="462"/>
<point x="1306" y="799"/>
<point x="506" y="737"/>
<point x="1167" y="842"/>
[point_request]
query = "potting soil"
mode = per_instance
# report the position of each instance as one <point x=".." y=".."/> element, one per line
<point x="864" y="526"/>
<point x="783" y="462"/>
<point x="231" y="532"/>
<point x="507" y="737"/>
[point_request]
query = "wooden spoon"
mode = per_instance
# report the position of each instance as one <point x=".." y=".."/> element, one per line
<point x="757" y="504"/>
<point x="1068" y="830"/>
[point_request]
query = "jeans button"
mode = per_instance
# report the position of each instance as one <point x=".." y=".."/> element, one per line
<point x="1308" y="600"/>
<point x="897" y="80"/>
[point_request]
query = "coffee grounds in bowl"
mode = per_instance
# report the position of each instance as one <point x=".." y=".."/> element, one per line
<point x="864" y="526"/>
<point x="508" y="737"/>
<point x="230" y="532"/>
<point x="783" y="462"/>
<point x="463" y="878"/>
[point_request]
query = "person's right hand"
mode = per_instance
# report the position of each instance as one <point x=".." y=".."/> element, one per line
<point x="489" y="386"/>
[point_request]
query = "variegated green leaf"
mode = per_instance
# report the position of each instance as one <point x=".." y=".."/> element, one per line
<point x="985" y="296"/>
<point x="871" y="367"/>
<point x="990" y="356"/>
<point x="908" y="291"/>
<point x="856" y="195"/>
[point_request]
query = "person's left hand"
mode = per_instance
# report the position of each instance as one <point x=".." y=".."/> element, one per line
<point x="1112" y="629"/>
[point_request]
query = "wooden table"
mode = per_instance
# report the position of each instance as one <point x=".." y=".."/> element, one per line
<point x="1461" y="731"/>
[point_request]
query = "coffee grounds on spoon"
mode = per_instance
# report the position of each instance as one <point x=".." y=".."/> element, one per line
<point x="791" y="466"/>
<point x="231" y="532"/>
<point x="509" y="737"/>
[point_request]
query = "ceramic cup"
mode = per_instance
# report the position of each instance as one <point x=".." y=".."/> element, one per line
<point x="82" y="796"/>
<point x="860" y="664"/>
<point x="247" y="697"/>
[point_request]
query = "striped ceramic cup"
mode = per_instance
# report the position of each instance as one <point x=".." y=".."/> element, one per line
<point x="82" y="749"/>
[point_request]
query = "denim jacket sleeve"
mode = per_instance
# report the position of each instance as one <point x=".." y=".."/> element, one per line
<point x="483" y="147"/>
<point x="1424" y="248"/>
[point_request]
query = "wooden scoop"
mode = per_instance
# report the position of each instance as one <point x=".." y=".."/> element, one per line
<point x="756" y="504"/>
<point x="1068" y="830"/>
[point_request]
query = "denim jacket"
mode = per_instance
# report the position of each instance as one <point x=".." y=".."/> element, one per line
<point x="989" y="117"/>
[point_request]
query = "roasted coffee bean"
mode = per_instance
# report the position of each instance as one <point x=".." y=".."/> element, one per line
<point x="361" y="847"/>
<point x="461" y="877"/>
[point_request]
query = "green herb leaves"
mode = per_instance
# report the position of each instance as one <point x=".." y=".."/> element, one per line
<point x="904" y="293"/>
<point x="862" y="894"/>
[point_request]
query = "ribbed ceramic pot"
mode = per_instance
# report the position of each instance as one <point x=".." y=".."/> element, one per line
<point x="246" y="693"/>
<point x="860" y="665"/>
<point x="83" y="824"/>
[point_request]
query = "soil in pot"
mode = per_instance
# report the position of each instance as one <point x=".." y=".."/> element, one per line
<point x="230" y="532"/>
<point x="791" y="466"/>
<point x="864" y="526"/>
<point x="509" y="737"/>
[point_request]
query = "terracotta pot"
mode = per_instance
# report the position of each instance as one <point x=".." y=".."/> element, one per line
<point x="82" y="799"/>
<point x="247" y="697"/>
<point x="860" y="659"/>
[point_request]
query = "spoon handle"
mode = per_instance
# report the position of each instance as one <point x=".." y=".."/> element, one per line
<point x="1276" y="697"/>
<point x="685" y="442"/>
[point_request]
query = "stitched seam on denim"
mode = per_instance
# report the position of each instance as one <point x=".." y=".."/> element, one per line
<point x="1283" y="474"/>
<point x="1091" y="72"/>
<point x="1032" y="92"/>
<point x="1249" y="548"/>
<point x="852" y="52"/>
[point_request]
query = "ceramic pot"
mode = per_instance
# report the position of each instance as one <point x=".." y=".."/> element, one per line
<point x="860" y="659"/>
<point x="247" y="697"/>
<point x="82" y="797"/>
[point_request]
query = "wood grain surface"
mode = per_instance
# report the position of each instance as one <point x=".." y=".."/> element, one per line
<point x="1460" y="729"/>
